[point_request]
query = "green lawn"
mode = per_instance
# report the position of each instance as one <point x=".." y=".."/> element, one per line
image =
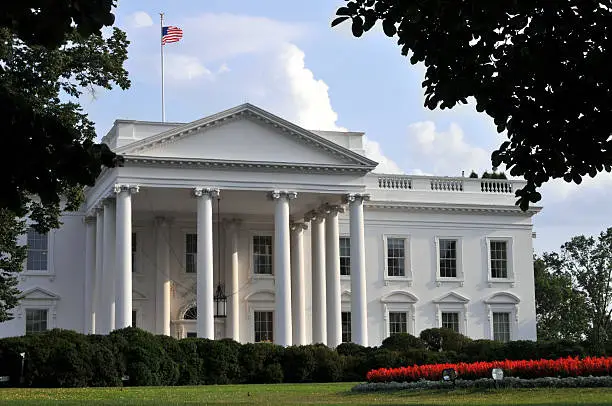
<point x="299" y="394"/>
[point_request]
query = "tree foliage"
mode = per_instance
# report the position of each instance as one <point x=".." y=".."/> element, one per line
<point x="588" y="262"/>
<point x="12" y="256"/>
<point x="556" y="298"/>
<point x="539" y="68"/>
<point x="51" y="52"/>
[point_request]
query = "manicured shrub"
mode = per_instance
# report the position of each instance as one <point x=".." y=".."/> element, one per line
<point x="328" y="364"/>
<point x="105" y="366"/>
<point x="219" y="361"/>
<point x="402" y="342"/>
<point x="298" y="363"/>
<point x="484" y="350"/>
<point x="352" y="349"/>
<point x="443" y="339"/>
<point x="260" y="363"/>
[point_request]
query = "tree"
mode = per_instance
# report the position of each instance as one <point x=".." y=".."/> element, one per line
<point x="556" y="298"/>
<point x="588" y="261"/>
<point x="539" y="68"/>
<point x="51" y="52"/>
<point x="11" y="260"/>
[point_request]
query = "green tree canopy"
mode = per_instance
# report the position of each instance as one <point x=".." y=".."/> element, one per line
<point x="539" y="68"/>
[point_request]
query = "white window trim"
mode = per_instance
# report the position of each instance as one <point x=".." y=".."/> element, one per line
<point x="184" y="232"/>
<point x="511" y="279"/>
<point x="406" y="304"/>
<point x="407" y="260"/>
<point x="507" y="303"/>
<point x="345" y="301"/>
<point x="252" y="274"/>
<point x="460" y="278"/>
<point x="260" y="301"/>
<point x="47" y="301"/>
<point x="50" y="272"/>
<point x="345" y="277"/>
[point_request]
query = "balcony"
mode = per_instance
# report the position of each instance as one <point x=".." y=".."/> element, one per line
<point x="440" y="189"/>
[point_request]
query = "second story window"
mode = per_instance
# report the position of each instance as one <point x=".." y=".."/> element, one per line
<point x="262" y="254"/>
<point x="345" y="256"/>
<point x="191" y="252"/>
<point x="396" y="257"/>
<point x="448" y="258"/>
<point x="499" y="259"/>
<point x="38" y="250"/>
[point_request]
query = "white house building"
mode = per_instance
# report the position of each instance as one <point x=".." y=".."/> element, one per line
<point x="307" y="243"/>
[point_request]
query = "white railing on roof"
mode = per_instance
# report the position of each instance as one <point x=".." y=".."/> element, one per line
<point x="447" y="184"/>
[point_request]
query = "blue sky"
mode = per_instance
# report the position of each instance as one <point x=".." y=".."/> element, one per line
<point x="284" y="57"/>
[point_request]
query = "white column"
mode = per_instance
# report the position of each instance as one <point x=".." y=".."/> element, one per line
<point x="359" y="302"/>
<point x="205" y="266"/>
<point x="90" y="274"/>
<point x="332" y="267"/>
<point x="282" y="267"/>
<point x="233" y="294"/>
<point x="319" y="305"/>
<point x="298" y="290"/>
<point x="107" y="300"/>
<point x="98" y="291"/>
<point x="123" y="252"/>
<point x="162" y="297"/>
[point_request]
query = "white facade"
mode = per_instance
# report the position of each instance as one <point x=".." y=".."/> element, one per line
<point x="264" y="207"/>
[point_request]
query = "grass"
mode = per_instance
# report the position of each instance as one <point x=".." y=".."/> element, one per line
<point x="299" y="394"/>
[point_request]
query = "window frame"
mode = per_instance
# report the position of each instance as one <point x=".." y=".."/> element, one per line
<point x="349" y="332"/>
<point x="184" y="234"/>
<point x="271" y="321"/>
<point x="504" y="302"/>
<point x="401" y="313"/>
<point x="262" y="300"/>
<point x="399" y="301"/>
<point x="259" y="233"/>
<point x="138" y="232"/>
<point x="509" y="314"/>
<point x="345" y="277"/>
<point x="460" y="275"/>
<point x="50" y="272"/>
<point x="407" y="278"/>
<point x="37" y="308"/>
<point x="446" y="312"/>
<point x="453" y="302"/>
<point x="38" y="298"/>
<point x="511" y="277"/>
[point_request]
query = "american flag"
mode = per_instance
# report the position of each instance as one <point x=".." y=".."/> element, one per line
<point x="171" y="34"/>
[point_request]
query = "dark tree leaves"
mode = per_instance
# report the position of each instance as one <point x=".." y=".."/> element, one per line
<point x="539" y="68"/>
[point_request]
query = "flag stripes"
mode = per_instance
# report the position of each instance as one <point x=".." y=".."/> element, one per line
<point x="171" y="34"/>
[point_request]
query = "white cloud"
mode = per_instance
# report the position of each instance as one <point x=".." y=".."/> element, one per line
<point x="444" y="152"/>
<point x="182" y="68"/>
<point x="140" y="19"/>
<point x="223" y="69"/>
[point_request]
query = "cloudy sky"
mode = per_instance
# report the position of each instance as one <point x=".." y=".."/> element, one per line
<point x="284" y="57"/>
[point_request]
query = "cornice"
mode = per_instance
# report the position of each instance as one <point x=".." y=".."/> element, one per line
<point x="256" y="114"/>
<point x="242" y="165"/>
<point x="450" y="207"/>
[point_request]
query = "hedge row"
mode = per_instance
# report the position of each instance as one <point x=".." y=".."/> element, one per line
<point x="61" y="358"/>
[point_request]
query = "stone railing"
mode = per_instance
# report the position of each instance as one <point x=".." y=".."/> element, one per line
<point x="446" y="184"/>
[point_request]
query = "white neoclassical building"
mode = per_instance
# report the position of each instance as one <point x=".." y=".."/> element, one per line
<point x="291" y="226"/>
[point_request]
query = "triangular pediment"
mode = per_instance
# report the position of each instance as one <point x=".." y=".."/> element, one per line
<point x="39" y="294"/>
<point x="246" y="134"/>
<point x="452" y="297"/>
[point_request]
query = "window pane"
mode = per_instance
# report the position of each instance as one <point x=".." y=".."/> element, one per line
<point x="499" y="259"/>
<point x="345" y="256"/>
<point x="396" y="257"/>
<point x="263" y="326"/>
<point x="37" y="250"/>
<point x="398" y="322"/>
<point x="448" y="258"/>
<point x="36" y="320"/>
<point x="501" y="327"/>
<point x="191" y="251"/>
<point x="451" y="321"/>
<point x="262" y="254"/>
<point x="346" y="327"/>
<point x="134" y="242"/>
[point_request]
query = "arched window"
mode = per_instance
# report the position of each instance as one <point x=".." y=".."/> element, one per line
<point x="191" y="313"/>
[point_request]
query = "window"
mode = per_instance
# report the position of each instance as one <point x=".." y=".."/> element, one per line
<point x="36" y="320"/>
<point x="134" y="316"/>
<point x="396" y="257"/>
<point x="38" y="245"/>
<point x="499" y="259"/>
<point x="448" y="258"/>
<point x="134" y="242"/>
<point x="263" y="326"/>
<point x="398" y="323"/>
<point x="262" y="254"/>
<point x="191" y="252"/>
<point x="345" y="256"/>
<point x="346" y="327"/>
<point x="501" y="327"/>
<point x="191" y="313"/>
<point x="450" y="321"/>
<point x="192" y="334"/>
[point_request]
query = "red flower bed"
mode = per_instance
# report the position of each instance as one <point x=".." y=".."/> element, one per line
<point x="562" y="367"/>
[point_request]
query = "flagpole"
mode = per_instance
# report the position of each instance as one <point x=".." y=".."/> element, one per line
<point x="161" y="46"/>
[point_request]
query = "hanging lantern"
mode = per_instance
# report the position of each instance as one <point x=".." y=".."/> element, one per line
<point x="220" y="302"/>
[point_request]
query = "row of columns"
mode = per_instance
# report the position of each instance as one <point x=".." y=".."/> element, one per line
<point x="108" y="259"/>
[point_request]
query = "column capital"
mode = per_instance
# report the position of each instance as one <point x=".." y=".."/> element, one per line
<point x="281" y="194"/>
<point x="232" y="224"/>
<point x="314" y="216"/>
<point x="356" y="197"/>
<point x="298" y="227"/>
<point x="205" y="192"/>
<point x="122" y="187"/>
<point x="331" y="209"/>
